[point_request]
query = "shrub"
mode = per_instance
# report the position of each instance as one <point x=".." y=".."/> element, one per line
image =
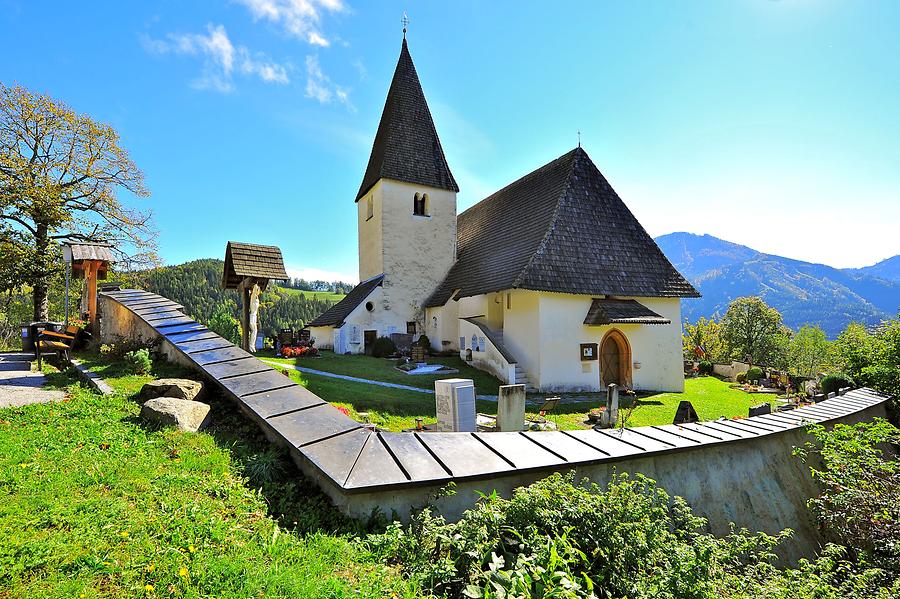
<point x="706" y="367"/>
<point x="832" y="382"/>
<point x="754" y="374"/>
<point x="138" y="361"/>
<point x="383" y="347"/>
<point x="741" y="377"/>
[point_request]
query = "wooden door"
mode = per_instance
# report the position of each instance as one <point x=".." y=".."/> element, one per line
<point x="369" y="338"/>
<point x="610" y="362"/>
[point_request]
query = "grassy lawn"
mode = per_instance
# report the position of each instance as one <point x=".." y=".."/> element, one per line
<point x="380" y="369"/>
<point x="326" y="295"/>
<point x="96" y="504"/>
<point x="397" y="409"/>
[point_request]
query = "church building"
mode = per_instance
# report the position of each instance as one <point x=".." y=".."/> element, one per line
<point x="550" y="282"/>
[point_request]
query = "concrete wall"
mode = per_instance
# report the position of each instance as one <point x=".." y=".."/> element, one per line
<point x="755" y="483"/>
<point x="414" y="252"/>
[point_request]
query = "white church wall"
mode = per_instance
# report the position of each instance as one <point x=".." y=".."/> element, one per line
<point x="657" y="348"/>
<point x="522" y="331"/>
<point x="416" y="251"/>
<point x="369" y="231"/>
<point x="443" y="329"/>
<point x="323" y="337"/>
<point x="352" y="334"/>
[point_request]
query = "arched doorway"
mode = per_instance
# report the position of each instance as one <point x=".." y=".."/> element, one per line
<point x="615" y="359"/>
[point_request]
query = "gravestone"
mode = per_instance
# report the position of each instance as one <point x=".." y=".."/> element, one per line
<point x="763" y="408"/>
<point x="402" y="341"/>
<point x="455" y="405"/>
<point x="511" y="408"/>
<point x="685" y="413"/>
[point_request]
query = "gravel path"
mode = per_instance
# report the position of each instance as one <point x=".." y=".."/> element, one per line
<point x="19" y="386"/>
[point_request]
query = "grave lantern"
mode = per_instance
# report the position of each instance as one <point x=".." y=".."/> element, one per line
<point x="248" y="268"/>
<point x="89" y="261"/>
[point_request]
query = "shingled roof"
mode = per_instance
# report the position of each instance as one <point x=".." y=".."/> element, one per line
<point x="335" y="315"/>
<point x="406" y="145"/>
<point x="619" y="311"/>
<point x="560" y="228"/>
<point x="252" y="260"/>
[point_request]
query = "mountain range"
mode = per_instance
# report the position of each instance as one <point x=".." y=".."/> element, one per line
<point x="804" y="292"/>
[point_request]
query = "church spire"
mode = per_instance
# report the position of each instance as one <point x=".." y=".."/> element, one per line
<point x="406" y="145"/>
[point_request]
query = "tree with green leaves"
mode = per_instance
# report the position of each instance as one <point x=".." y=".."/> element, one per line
<point x="60" y="173"/>
<point x="753" y="331"/>
<point x="706" y="334"/>
<point x="808" y="351"/>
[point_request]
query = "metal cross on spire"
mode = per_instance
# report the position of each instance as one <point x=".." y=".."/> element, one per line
<point x="579" y="138"/>
<point x="405" y="21"/>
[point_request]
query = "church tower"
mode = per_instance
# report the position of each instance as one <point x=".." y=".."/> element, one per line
<point x="406" y="205"/>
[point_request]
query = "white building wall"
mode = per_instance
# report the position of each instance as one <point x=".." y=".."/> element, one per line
<point x="522" y="334"/>
<point x="442" y="326"/>
<point x="414" y="252"/>
<point x="656" y="348"/>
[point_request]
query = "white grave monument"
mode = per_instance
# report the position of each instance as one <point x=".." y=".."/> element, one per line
<point x="455" y="405"/>
<point x="511" y="408"/>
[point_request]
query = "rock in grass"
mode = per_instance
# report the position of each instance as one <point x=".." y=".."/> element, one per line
<point x="178" y="388"/>
<point x="189" y="416"/>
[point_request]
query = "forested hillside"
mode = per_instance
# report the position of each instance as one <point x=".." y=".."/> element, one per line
<point x="197" y="285"/>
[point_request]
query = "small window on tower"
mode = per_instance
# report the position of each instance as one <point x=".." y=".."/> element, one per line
<point x="419" y="204"/>
<point x="410" y="328"/>
<point x="370" y="208"/>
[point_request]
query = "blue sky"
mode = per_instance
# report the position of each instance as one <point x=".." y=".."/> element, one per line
<point x="773" y="124"/>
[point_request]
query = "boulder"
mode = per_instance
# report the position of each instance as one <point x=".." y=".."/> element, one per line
<point x="189" y="416"/>
<point x="177" y="388"/>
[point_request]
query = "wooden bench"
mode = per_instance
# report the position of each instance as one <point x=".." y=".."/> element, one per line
<point x="51" y="341"/>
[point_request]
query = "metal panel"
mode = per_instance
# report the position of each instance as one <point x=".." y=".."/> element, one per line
<point x="375" y="467"/>
<point x="312" y="424"/>
<point x="463" y="455"/>
<point x="413" y="456"/>
<point x="335" y="456"/>
<point x="610" y="447"/>
<point x="515" y="448"/>
<point x="257" y="383"/>
<point x="235" y="367"/>
<point x="563" y="445"/>
<point x="183" y="328"/>
<point x="202" y="358"/>
<point x="282" y="400"/>
<point x="168" y="322"/>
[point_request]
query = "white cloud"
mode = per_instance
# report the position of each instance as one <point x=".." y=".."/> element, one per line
<point x="219" y="55"/>
<point x="320" y="87"/>
<point x="299" y="18"/>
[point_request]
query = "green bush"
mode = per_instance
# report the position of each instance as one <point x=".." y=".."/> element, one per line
<point x="741" y="377"/>
<point x="705" y="367"/>
<point x="138" y="361"/>
<point x="383" y="347"/>
<point x="754" y="374"/>
<point x="832" y="382"/>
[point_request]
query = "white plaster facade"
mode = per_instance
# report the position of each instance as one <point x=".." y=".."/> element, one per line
<point x="544" y="331"/>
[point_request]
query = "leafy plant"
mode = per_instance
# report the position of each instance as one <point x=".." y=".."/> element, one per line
<point x="832" y="382"/>
<point x="754" y="374"/>
<point x="859" y="505"/>
<point x="706" y="367"/>
<point x="138" y="361"/>
<point x="383" y="347"/>
<point x="741" y="378"/>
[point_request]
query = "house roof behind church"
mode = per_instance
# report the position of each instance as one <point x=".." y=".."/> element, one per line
<point x="406" y="145"/>
<point x="560" y="228"/>
<point x="335" y="315"/>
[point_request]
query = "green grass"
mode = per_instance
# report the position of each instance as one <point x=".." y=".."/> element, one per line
<point x="326" y="295"/>
<point x="381" y="369"/>
<point x="397" y="409"/>
<point x="710" y="396"/>
<point x="96" y="504"/>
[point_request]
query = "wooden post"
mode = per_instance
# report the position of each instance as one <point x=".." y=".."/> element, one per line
<point x="91" y="268"/>
<point x="245" y="314"/>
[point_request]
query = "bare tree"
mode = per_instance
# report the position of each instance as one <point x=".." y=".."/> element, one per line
<point x="59" y="176"/>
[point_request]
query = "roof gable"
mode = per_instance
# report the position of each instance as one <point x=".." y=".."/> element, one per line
<point x="560" y="228"/>
<point x="252" y="260"/>
<point x="335" y="315"/>
<point x="406" y="145"/>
